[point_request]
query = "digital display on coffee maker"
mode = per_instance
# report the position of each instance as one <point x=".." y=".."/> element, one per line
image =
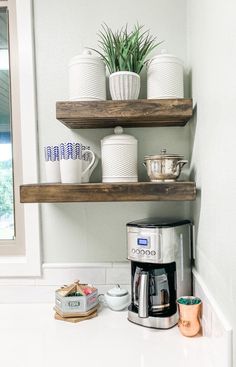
<point x="142" y="241"/>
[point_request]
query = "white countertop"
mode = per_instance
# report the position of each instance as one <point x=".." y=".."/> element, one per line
<point x="31" y="337"/>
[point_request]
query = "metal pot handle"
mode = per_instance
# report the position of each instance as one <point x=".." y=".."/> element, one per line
<point x="181" y="163"/>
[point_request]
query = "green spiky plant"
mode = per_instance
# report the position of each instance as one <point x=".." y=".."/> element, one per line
<point x="123" y="50"/>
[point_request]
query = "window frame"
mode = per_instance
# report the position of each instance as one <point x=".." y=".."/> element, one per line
<point x="23" y="97"/>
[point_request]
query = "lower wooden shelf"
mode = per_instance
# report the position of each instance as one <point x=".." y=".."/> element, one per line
<point x="102" y="192"/>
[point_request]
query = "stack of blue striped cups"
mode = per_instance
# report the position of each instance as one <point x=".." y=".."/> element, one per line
<point x="69" y="163"/>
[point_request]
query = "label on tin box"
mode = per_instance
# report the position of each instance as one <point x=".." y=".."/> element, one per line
<point x="73" y="303"/>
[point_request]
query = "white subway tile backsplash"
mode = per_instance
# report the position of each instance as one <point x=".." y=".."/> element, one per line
<point x="102" y="289"/>
<point x="27" y="294"/>
<point x="17" y="281"/>
<point x="78" y="265"/>
<point x="118" y="275"/>
<point x="58" y="276"/>
<point x="123" y="264"/>
<point x="42" y="290"/>
<point x="215" y="326"/>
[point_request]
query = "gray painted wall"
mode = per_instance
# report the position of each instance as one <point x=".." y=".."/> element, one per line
<point x="96" y="231"/>
<point x="212" y="57"/>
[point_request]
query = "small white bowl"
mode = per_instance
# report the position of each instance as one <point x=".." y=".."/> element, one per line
<point x="117" y="298"/>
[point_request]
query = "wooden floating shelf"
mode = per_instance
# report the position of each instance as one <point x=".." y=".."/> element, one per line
<point x="106" y="192"/>
<point x="135" y="113"/>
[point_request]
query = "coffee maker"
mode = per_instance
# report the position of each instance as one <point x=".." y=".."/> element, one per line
<point x="160" y="254"/>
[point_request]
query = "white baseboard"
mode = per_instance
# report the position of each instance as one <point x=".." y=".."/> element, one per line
<point x="215" y="326"/>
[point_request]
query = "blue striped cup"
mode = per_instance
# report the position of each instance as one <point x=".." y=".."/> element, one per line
<point x="72" y="156"/>
<point x="52" y="166"/>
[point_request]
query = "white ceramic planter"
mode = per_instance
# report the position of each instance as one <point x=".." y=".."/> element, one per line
<point x="124" y="85"/>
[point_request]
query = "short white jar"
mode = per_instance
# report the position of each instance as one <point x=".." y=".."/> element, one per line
<point x="165" y="77"/>
<point x="117" y="298"/>
<point x="87" y="77"/>
<point x="119" y="157"/>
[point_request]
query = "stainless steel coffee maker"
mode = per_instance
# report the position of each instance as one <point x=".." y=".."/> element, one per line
<point x="160" y="254"/>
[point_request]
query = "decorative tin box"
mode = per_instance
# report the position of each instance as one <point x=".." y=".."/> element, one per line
<point x="76" y="302"/>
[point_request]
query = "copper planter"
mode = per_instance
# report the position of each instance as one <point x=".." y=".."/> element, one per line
<point x="189" y="316"/>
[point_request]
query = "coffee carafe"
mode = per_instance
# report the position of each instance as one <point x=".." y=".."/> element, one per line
<point x="160" y="254"/>
<point x="154" y="291"/>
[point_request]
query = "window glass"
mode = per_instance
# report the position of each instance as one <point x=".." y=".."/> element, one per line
<point x="7" y="228"/>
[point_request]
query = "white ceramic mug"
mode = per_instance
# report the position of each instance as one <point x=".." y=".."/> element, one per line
<point x="52" y="165"/>
<point x="71" y="162"/>
<point x="86" y="162"/>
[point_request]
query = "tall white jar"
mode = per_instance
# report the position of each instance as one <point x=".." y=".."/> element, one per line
<point x="119" y="157"/>
<point x="165" y="77"/>
<point x="87" y="77"/>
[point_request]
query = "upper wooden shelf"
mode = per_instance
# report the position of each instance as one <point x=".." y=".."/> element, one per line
<point x="135" y="113"/>
<point x="102" y="192"/>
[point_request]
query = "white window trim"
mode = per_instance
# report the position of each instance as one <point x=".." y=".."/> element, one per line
<point x="30" y="263"/>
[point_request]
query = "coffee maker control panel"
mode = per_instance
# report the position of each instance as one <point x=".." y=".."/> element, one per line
<point x="144" y="246"/>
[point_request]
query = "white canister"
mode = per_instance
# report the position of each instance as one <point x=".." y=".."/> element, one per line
<point x="119" y="157"/>
<point x="87" y="77"/>
<point x="165" y="77"/>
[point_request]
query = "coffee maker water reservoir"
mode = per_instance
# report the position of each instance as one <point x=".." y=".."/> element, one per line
<point x="160" y="254"/>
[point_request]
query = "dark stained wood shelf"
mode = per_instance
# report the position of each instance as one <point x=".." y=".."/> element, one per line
<point x="135" y="113"/>
<point x="108" y="114"/>
<point x="105" y="192"/>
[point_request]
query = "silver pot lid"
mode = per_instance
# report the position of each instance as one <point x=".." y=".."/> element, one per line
<point x="117" y="291"/>
<point x="164" y="155"/>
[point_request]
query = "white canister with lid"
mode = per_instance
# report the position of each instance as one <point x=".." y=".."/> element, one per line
<point x="87" y="77"/>
<point x="119" y="157"/>
<point x="165" y="77"/>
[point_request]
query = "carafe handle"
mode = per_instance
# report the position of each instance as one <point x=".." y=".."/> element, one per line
<point x="143" y="295"/>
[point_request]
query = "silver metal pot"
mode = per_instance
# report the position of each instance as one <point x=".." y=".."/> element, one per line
<point x="164" y="167"/>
